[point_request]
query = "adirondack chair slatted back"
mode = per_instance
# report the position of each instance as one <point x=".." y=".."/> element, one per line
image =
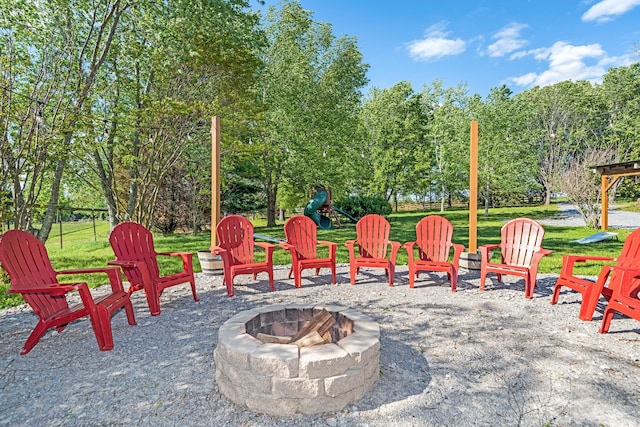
<point x="521" y="238"/>
<point x="26" y="260"/>
<point x="235" y="235"/>
<point x="373" y="236"/>
<point x="134" y="242"/>
<point x="433" y="238"/>
<point x="301" y="232"/>
<point x="629" y="257"/>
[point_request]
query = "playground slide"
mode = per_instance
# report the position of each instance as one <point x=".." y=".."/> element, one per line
<point x="319" y="198"/>
<point x="354" y="220"/>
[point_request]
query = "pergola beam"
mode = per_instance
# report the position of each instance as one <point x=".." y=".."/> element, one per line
<point x="609" y="176"/>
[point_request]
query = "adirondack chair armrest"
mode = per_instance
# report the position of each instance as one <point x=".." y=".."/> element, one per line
<point x="187" y="258"/>
<point x="408" y="246"/>
<point x="115" y="280"/>
<point x="568" y="262"/>
<point x="543" y="252"/>
<point x="286" y="246"/>
<point x="485" y="251"/>
<point x="131" y="265"/>
<point x="333" y="247"/>
<point x="125" y="264"/>
<point x="180" y="254"/>
<point x="351" y="244"/>
<point x="395" y="246"/>
<point x="55" y="289"/>
<point x="327" y="243"/>
<point x="268" y="248"/>
<point x="222" y="253"/>
<point x="265" y="245"/>
<point x="457" y="252"/>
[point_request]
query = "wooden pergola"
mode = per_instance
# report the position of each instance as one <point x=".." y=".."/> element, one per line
<point x="610" y="174"/>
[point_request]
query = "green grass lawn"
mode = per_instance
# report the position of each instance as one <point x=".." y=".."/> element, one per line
<point x="80" y="248"/>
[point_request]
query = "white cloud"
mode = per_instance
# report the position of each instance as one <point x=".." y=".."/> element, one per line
<point x="508" y="40"/>
<point x="435" y="45"/>
<point x="606" y="10"/>
<point x="568" y="62"/>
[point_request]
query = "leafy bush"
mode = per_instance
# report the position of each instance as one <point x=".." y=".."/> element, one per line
<point x="359" y="206"/>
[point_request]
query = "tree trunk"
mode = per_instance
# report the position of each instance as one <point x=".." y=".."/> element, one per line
<point x="271" y="208"/>
<point x="547" y="195"/>
<point x="50" y="214"/>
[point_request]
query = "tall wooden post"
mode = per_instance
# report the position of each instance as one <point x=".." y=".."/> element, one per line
<point x="471" y="259"/>
<point x="215" y="178"/>
<point x="473" y="189"/>
<point x="605" y="203"/>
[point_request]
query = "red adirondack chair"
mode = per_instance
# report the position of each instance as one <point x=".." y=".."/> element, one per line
<point x="372" y="238"/>
<point x="135" y="253"/>
<point x="611" y="276"/>
<point x="520" y="250"/>
<point x="236" y="247"/>
<point x="624" y="298"/>
<point x="302" y="243"/>
<point x="433" y="243"/>
<point x="26" y="261"/>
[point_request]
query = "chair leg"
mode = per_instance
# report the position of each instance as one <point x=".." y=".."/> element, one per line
<point x="193" y="288"/>
<point x="228" y="280"/>
<point x="606" y="320"/>
<point x="528" y="288"/>
<point x="128" y="309"/>
<point x="453" y="276"/>
<point x="483" y="277"/>
<point x="297" y="276"/>
<point x="270" y="273"/>
<point x="352" y="274"/>
<point x="590" y="298"/>
<point x="412" y="277"/>
<point x="391" y="272"/>
<point x="333" y="274"/>
<point x="103" y="332"/>
<point x="34" y="337"/>
<point x="153" y="299"/>
<point x="556" y="293"/>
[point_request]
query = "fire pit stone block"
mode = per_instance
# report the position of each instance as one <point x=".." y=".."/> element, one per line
<point x="280" y="379"/>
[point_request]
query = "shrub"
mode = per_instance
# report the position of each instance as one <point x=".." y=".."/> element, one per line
<point x="359" y="206"/>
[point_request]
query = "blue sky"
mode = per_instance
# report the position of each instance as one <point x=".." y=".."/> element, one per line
<point x="519" y="43"/>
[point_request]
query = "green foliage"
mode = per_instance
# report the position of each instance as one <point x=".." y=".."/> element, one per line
<point x="359" y="206"/>
<point x="242" y="196"/>
<point x="310" y="87"/>
<point x="81" y="250"/>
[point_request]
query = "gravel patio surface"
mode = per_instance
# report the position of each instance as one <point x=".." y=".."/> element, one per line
<point x="470" y="358"/>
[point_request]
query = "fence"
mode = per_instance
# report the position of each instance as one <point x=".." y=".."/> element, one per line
<point x="68" y="218"/>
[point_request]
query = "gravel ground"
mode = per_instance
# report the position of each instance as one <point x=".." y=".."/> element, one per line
<point x="481" y="358"/>
<point x="470" y="358"/>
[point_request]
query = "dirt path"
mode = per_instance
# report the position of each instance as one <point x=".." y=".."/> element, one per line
<point x="570" y="217"/>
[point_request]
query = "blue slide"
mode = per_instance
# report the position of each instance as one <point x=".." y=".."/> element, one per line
<point x="319" y="199"/>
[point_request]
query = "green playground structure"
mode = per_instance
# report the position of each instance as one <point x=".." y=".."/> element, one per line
<point x="321" y="203"/>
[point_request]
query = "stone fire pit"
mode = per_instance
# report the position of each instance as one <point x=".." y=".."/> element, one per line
<point x="282" y="379"/>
